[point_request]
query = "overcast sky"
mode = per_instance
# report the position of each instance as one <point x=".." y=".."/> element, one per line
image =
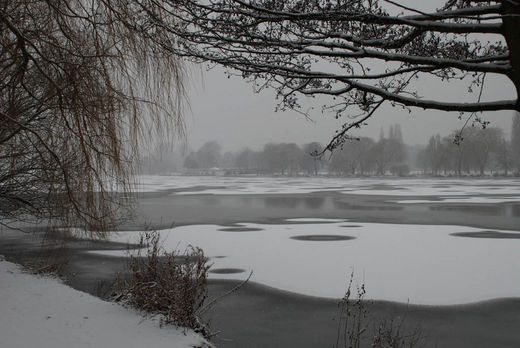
<point x="227" y="110"/>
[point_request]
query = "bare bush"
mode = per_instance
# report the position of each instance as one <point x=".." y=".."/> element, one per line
<point x="354" y="326"/>
<point x="170" y="284"/>
<point x="45" y="267"/>
<point x="392" y="334"/>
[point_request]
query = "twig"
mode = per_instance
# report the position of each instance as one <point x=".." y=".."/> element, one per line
<point x="213" y="301"/>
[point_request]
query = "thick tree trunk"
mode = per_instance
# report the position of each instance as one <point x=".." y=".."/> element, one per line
<point x="512" y="36"/>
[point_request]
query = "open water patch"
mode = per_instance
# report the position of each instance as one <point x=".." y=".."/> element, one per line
<point x="322" y="237"/>
<point x="487" y="234"/>
<point x="227" y="270"/>
<point x="313" y="220"/>
<point x="240" y="229"/>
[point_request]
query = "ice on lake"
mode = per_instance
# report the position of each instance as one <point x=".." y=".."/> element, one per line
<point x="221" y="185"/>
<point x="421" y="264"/>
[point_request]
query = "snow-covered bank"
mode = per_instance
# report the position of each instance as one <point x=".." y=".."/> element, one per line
<point x="43" y="312"/>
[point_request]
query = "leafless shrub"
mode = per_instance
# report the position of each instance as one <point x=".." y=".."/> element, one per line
<point x="45" y="267"/>
<point x="354" y="322"/>
<point x="170" y="284"/>
<point x="391" y="334"/>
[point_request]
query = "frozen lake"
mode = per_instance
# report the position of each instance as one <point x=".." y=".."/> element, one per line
<point x="423" y="241"/>
<point x="442" y="189"/>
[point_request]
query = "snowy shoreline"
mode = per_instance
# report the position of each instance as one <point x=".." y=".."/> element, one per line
<point x="43" y="312"/>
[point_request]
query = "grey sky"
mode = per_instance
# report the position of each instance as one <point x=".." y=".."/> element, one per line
<point x="227" y="110"/>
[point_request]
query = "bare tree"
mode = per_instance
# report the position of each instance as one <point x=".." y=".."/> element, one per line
<point x="81" y="81"/>
<point x="356" y="52"/>
<point x="482" y="144"/>
<point x="429" y="157"/>
<point x="515" y="143"/>
<point x="503" y="156"/>
<point x="209" y="155"/>
<point x="247" y="160"/>
<point x="309" y="162"/>
<point x="291" y="157"/>
<point x="271" y="159"/>
<point x="356" y="158"/>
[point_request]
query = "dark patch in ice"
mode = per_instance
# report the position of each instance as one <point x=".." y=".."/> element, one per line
<point x="227" y="270"/>
<point x="348" y="226"/>
<point x="385" y="187"/>
<point x="314" y="202"/>
<point x="218" y="257"/>
<point x="481" y="209"/>
<point x="350" y="206"/>
<point x="240" y="229"/>
<point x="487" y="234"/>
<point x="516" y="210"/>
<point x="322" y="237"/>
<point x="282" y="202"/>
<point x="199" y="188"/>
<point x="211" y="200"/>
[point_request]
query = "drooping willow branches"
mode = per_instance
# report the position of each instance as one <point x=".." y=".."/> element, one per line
<point x="81" y="83"/>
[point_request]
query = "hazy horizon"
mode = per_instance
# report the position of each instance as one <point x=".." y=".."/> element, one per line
<point x="228" y="111"/>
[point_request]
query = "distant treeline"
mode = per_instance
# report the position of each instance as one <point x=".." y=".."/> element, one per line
<point x="472" y="151"/>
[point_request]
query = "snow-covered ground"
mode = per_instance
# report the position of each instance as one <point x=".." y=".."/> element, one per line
<point x="43" y="312"/>
<point x="422" y="264"/>
<point x="450" y="190"/>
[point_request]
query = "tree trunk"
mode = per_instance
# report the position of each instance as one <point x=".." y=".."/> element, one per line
<point x="511" y="34"/>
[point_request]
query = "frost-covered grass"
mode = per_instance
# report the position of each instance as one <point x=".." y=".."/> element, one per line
<point x="400" y="262"/>
<point x="42" y="312"/>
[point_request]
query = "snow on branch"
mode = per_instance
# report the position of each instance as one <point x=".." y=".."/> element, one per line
<point x="354" y="52"/>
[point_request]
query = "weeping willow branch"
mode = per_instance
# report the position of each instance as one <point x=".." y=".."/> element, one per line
<point x="82" y="85"/>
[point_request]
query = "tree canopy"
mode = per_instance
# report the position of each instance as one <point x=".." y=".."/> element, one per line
<point x="358" y="53"/>
<point x="80" y="83"/>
